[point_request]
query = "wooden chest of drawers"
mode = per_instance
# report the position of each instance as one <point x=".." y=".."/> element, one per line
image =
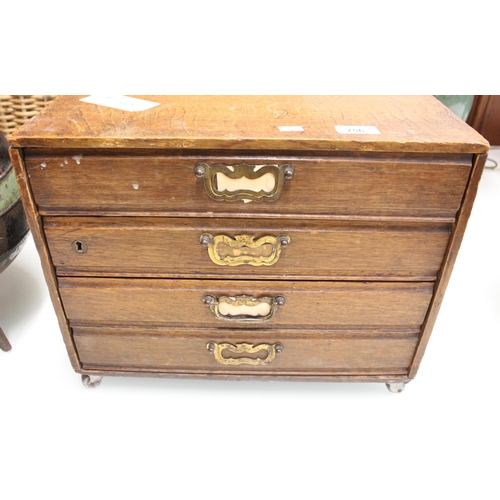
<point x="292" y="237"/>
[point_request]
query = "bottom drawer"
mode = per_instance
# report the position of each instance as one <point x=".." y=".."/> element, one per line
<point x="245" y="351"/>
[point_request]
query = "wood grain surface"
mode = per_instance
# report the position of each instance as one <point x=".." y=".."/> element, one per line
<point x="172" y="350"/>
<point x="321" y="304"/>
<point x="362" y="186"/>
<point x="35" y="224"/>
<point x="405" y="123"/>
<point x="449" y="261"/>
<point x="374" y="220"/>
<point x="170" y="247"/>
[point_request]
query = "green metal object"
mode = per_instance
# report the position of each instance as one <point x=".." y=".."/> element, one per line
<point x="13" y="224"/>
<point x="459" y="104"/>
<point x="9" y="191"/>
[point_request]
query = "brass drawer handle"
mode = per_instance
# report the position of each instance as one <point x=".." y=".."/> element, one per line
<point x="244" y="182"/>
<point x="244" y="249"/>
<point x="217" y="348"/>
<point x="244" y="307"/>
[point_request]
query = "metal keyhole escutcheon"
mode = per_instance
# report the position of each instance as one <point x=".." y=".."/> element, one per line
<point x="79" y="246"/>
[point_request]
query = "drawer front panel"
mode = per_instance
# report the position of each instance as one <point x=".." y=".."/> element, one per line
<point x="401" y="186"/>
<point x="173" y="247"/>
<point x="174" y="351"/>
<point x="240" y="304"/>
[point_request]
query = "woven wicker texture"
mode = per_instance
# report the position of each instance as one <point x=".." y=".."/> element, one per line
<point x="17" y="109"/>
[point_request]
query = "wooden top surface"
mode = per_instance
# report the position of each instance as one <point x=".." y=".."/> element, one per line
<point x="405" y="123"/>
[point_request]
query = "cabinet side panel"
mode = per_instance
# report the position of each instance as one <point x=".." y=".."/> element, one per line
<point x="34" y="221"/>
<point x="449" y="260"/>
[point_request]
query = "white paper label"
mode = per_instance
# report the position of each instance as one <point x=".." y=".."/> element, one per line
<point x="122" y="102"/>
<point x="291" y="128"/>
<point x="356" y="129"/>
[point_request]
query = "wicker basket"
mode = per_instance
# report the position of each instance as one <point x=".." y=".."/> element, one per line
<point x="16" y="109"/>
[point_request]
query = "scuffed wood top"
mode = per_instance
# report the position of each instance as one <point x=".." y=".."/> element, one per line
<point x="406" y="124"/>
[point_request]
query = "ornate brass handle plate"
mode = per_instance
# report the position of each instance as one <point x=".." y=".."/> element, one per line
<point x="244" y="249"/>
<point x="244" y="182"/>
<point x="217" y="348"/>
<point x="244" y="307"/>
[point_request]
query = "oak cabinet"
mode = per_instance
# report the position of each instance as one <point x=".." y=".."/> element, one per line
<point x="298" y="237"/>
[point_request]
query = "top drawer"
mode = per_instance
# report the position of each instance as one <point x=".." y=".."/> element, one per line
<point x="372" y="185"/>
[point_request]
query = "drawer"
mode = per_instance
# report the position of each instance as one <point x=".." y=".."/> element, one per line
<point x="228" y="248"/>
<point x="389" y="185"/>
<point x="171" y="350"/>
<point x="239" y="304"/>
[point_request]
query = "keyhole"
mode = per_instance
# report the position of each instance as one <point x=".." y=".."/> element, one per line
<point x="79" y="246"/>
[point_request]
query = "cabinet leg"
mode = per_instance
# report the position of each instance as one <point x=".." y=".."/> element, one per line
<point x="4" y="342"/>
<point x="396" y="387"/>
<point x="91" y="380"/>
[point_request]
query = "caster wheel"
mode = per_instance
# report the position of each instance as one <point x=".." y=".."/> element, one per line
<point x="91" y="381"/>
<point x="396" y="387"/>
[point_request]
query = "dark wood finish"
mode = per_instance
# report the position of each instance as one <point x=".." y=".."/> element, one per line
<point x="485" y="117"/>
<point x="180" y="302"/>
<point x="406" y="123"/>
<point x="167" y="185"/>
<point x="318" y="250"/>
<point x="173" y="350"/>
